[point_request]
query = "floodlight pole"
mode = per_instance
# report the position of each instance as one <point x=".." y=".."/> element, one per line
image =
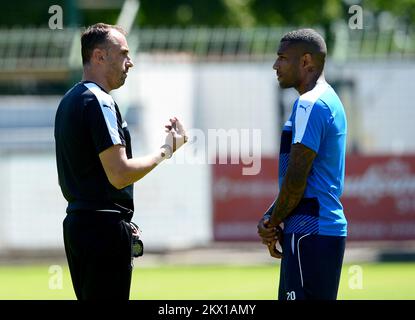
<point x="128" y="13"/>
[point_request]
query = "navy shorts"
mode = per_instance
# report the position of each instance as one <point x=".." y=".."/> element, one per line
<point x="310" y="267"/>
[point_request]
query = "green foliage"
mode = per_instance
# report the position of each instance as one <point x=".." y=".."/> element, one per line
<point x="26" y="13"/>
<point x="223" y="13"/>
<point x="182" y="12"/>
<point x="404" y="9"/>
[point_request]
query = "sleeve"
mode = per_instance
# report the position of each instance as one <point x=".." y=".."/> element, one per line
<point x="311" y="124"/>
<point x="104" y="126"/>
<point x="268" y="213"/>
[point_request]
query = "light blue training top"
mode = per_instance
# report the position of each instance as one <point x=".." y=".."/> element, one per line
<point x="318" y="121"/>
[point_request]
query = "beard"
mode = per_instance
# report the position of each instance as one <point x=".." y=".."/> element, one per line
<point x="285" y="84"/>
<point x="119" y="81"/>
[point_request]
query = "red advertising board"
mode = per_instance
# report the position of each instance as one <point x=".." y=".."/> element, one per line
<point x="239" y="201"/>
<point x="378" y="198"/>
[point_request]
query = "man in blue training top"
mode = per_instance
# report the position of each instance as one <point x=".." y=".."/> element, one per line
<point x="311" y="176"/>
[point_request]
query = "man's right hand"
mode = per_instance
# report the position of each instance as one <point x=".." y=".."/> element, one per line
<point x="273" y="251"/>
<point x="176" y="135"/>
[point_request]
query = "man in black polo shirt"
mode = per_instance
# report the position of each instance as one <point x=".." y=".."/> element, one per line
<point x="96" y="169"/>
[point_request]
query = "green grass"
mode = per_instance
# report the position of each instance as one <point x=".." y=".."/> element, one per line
<point x="378" y="281"/>
<point x="381" y="281"/>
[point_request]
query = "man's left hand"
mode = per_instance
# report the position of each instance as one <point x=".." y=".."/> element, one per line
<point x="270" y="236"/>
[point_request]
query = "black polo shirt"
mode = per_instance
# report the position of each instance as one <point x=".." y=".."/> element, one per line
<point x="88" y="122"/>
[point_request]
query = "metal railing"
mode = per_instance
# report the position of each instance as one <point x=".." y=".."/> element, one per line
<point x="43" y="50"/>
<point x="255" y="43"/>
<point x="393" y="43"/>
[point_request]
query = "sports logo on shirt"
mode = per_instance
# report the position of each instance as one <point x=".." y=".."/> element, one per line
<point x="303" y="107"/>
<point x="109" y="107"/>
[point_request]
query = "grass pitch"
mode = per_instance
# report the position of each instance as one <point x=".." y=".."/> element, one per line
<point x="381" y="281"/>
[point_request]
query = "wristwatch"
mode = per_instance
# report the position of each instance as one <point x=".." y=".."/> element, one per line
<point x="167" y="151"/>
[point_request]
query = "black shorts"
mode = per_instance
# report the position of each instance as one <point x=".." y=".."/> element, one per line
<point x="311" y="267"/>
<point x="98" y="249"/>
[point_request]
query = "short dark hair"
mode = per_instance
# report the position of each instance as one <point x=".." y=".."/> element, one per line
<point x="95" y="36"/>
<point x="312" y="42"/>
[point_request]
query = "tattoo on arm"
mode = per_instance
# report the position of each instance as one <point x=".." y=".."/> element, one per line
<point x="295" y="181"/>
